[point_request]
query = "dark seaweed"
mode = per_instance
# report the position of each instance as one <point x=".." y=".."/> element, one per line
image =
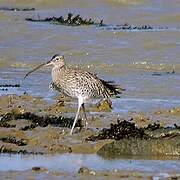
<point x="13" y="140"/>
<point x="71" y="20"/>
<point x="16" y="9"/>
<point x="176" y="126"/>
<point x="9" y="85"/>
<point x="123" y="129"/>
<point x="4" y="121"/>
<point x="77" y="20"/>
<point x="3" y="149"/>
<point x="41" y="121"/>
<point x="126" y="129"/>
<point x="7" y="125"/>
<point x="30" y="127"/>
<point x="153" y="127"/>
<point x="126" y="26"/>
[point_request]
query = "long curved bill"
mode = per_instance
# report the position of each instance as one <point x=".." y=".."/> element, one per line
<point x="38" y="67"/>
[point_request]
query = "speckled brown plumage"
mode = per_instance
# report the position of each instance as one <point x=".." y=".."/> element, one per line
<point x="75" y="83"/>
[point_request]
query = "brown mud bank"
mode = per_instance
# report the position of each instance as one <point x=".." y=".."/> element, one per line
<point x="31" y="125"/>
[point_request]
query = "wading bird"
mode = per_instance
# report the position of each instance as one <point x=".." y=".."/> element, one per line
<point x="77" y="83"/>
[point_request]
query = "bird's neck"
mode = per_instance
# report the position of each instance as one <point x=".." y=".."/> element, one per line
<point x="60" y="65"/>
<point x="57" y="72"/>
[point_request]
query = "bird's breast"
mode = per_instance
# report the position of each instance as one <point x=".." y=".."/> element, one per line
<point x="76" y="84"/>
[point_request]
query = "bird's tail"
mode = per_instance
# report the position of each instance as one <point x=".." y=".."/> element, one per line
<point x="112" y="88"/>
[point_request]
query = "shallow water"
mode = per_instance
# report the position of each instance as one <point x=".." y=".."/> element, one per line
<point x="72" y="162"/>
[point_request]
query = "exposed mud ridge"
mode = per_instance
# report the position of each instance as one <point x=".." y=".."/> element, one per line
<point x="4" y="149"/>
<point x="159" y="148"/>
<point x="126" y="129"/>
<point x="71" y="20"/>
<point x="16" y="9"/>
<point x="152" y="141"/>
<point x="41" y="121"/>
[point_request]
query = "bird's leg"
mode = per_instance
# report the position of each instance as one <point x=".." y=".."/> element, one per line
<point x="84" y="112"/>
<point x="80" y="102"/>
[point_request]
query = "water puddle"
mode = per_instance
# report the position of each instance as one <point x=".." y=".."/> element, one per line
<point x="72" y="162"/>
<point x="125" y="105"/>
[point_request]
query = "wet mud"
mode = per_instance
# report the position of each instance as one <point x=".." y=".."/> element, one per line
<point x="41" y="126"/>
<point x="32" y="125"/>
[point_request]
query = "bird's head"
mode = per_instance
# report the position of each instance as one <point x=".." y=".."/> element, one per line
<point x="56" y="61"/>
